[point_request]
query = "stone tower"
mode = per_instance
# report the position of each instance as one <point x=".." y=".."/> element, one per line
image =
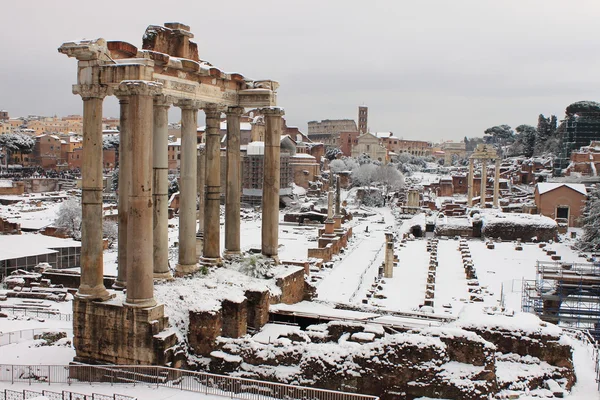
<point x="363" y="114"/>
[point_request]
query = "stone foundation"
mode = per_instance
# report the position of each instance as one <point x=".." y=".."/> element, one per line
<point x="111" y="333"/>
<point x="257" y="303"/>
<point x="205" y="327"/>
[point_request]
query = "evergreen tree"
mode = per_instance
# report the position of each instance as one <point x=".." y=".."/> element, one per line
<point x="590" y="241"/>
<point x="527" y="137"/>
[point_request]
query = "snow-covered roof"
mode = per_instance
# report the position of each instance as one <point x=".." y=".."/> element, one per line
<point x="303" y="155"/>
<point x="381" y="135"/>
<point x="17" y="246"/>
<point x="255" y="148"/>
<point x="549" y="186"/>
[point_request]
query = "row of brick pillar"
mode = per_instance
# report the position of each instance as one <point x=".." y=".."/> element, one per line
<point x="143" y="188"/>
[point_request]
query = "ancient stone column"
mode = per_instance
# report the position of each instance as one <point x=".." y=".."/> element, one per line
<point x="140" y="259"/>
<point x="160" y="187"/>
<point x="497" y="183"/>
<point x="233" y="182"/>
<point x="187" y="262"/>
<point x="201" y="179"/>
<point x="337" y="218"/>
<point x="212" y="230"/>
<point x="483" y="180"/>
<point x="470" y="181"/>
<point x="92" y="269"/>
<point x="271" y="181"/>
<point x="388" y="267"/>
<point x="124" y="186"/>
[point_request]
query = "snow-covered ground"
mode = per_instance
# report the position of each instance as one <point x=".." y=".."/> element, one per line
<point x="500" y="273"/>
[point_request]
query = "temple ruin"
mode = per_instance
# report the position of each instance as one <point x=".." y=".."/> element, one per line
<point x="484" y="153"/>
<point x="165" y="72"/>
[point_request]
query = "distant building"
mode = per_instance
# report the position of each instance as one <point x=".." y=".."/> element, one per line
<point x="253" y="171"/>
<point x="4" y="115"/>
<point x="585" y="161"/>
<point x="47" y="151"/>
<point x="561" y="201"/>
<point x="414" y="147"/>
<point x="328" y="131"/>
<point x="369" y="144"/>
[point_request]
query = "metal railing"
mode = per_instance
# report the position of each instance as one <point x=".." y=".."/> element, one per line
<point x="8" y="394"/>
<point x="199" y="382"/>
<point x="7" y="338"/>
<point x="36" y="313"/>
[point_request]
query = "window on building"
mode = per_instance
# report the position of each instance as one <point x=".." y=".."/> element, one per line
<point x="562" y="212"/>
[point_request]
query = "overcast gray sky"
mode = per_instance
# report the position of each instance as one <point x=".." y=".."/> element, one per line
<point x="427" y="69"/>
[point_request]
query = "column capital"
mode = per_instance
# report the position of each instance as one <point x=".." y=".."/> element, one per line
<point x="213" y="110"/>
<point x="188" y="104"/>
<point x="163" y="100"/>
<point x="272" y="111"/>
<point x="138" y="88"/>
<point x="92" y="91"/>
<point x="235" y="111"/>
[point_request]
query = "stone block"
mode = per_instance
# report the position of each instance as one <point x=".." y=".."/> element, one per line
<point x="234" y="315"/>
<point x="205" y="327"/>
<point x="257" y="314"/>
<point x="111" y="333"/>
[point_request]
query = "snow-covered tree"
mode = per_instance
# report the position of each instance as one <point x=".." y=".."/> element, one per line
<point x="173" y="186"/>
<point x="110" y="232"/>
<point x="68" y="218"/>
<point x="390" y="178"/>
<point x="590" y="240"/>
<point x="110" y="142"/>
<point x="16" y="142"/>
<point x="364" y="174"/>
<point x="332" y="153"/>
<point x="500" y="134"/>
<point x="364" y="158"/>
<point x="337" y="166"/>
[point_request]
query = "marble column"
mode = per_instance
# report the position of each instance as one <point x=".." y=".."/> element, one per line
<point x="470" y="182"/>
<point x="92" y="268"/>
<point x="160" y="187"/>
<point x="212" y="229"/>
<point x="233" y="182"/>
<point x="201" y="181"/>
<point x="140" y="259"/>
<point x="483" y="181"/>
<point x="271" y="182"/>
<point x="497" y="183"/>
<point x="187" y="262"/>
<point x="124" y="186"/>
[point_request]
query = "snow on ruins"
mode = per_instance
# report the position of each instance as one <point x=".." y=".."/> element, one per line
<point x="240" y="257"/>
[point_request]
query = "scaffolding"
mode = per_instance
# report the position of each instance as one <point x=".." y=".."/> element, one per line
<point x="566" y="294"/>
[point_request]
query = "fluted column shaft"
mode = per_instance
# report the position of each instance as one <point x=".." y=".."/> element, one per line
<point x="187" y="188"/>
<point x="271" y="182"/>
<point x="233" y="188"/>
<point x="212" y="200"/>
<point x="124" y="186"/>
<point x="92" y="268"/>
<point x="140" y="259"/>
<point x="470" y="181"/>
<point x="497" y="183"/>
<point x="160" y="188"/>
<point x="483" y="181"/>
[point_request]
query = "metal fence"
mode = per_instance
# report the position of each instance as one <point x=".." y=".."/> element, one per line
<point x="8" y="394"/>
<point x="199" y="382"/>
<point x="27" y="334"/>
<point x="36" y="313"/>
